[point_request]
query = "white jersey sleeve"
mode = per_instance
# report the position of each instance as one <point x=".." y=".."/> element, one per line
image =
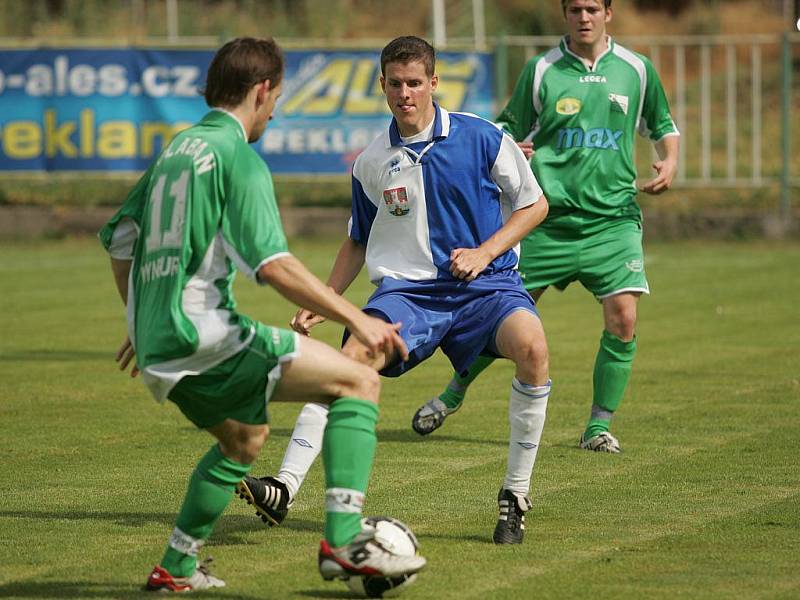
<point x="512" y="174"/>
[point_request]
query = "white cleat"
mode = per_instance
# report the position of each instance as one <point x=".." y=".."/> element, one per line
<point x="365" y="556"/>
<point x="602" y="442"/>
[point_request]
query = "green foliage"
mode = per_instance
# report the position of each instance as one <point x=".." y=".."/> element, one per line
<point x="97" y="190"/>
<point x="77" y="190"/>
<point x="702" y="504"/>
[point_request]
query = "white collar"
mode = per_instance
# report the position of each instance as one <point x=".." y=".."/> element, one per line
<point x="233" y="116"/>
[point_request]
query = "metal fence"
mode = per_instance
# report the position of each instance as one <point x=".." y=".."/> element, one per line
<point x="734" y="98"/>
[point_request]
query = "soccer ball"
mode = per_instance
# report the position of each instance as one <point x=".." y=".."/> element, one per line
<point x="397" y="538"/>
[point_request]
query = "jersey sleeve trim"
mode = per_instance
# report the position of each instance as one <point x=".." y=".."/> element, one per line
<point x="242" y="265"/>
<point x="266" y="261"/>
<point x="675" y="133"/>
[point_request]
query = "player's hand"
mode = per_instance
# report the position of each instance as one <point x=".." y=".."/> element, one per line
<point x="665" y="173"/>
<point x="468" y="263"/>
<point x="527" y="149"/>
<point x="304" y="320"/>
<point x="125" y="355"/>
<point x="379" y="337"/>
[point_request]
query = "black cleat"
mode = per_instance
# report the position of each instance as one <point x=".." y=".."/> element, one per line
<point x="510" y="526"/>
<point x="431" y="415"/>
<point x="268" y="495"/>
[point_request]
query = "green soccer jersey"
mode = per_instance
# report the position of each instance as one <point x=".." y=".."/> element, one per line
<point x="205" y="208"/>
<point x="582" y="122"/>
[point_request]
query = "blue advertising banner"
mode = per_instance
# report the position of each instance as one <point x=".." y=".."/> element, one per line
<point x="114" y="109"/>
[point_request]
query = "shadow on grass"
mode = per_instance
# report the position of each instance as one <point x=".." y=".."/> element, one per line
<point x="328" y="594"/>
<point x="56" y="355"/>
<point x="89" y="589"/>
<point x="126" y="519"/>
<point x="230" y="525"/>
<point x="478" y="539"/>
<point x="226" y="531"/>
<point x="409" y="436"/>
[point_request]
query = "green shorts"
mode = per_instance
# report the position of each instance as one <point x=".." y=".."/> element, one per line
<point x="606" y="262"/>
<point x="240" y="387"/>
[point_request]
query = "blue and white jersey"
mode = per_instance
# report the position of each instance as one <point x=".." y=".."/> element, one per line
<point x="414" y="203"/>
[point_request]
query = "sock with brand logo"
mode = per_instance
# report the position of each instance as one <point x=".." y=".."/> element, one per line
<point x="348" y="449"/>
<point x="304" y="446"/>
<point x="453" y="394"/>
<point x="612" y="370"/>
<point x="210" y="490"/>
<point x="526" y="414"/>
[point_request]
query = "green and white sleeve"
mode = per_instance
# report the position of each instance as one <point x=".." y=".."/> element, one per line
<point x="656" y="121"/>
<point x="119" y="235"/>
<point x="251" y="225"/>
<point x="519" y="115"/>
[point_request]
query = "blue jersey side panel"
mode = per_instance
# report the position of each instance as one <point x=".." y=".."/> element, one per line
<point x="363" y="213"/>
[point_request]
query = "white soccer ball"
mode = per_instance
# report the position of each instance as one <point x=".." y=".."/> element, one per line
<point x="398" y="538"/>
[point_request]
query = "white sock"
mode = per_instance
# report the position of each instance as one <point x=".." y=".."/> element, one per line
<point x="304" y="446"/>
<point x="526" y="414"/>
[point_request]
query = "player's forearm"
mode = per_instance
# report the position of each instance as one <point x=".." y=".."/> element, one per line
<point x="121" y="269"/>
<point x="347" y="265"/>
<point x="297" y="284"/>
<point x="517" y="227"/>
<point x="668" y="148"/>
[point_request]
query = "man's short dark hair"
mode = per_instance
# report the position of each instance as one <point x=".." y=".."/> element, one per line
<point x="407" y="49"/>
<point x="238" y="66"/>
<point x="606" y="3"/>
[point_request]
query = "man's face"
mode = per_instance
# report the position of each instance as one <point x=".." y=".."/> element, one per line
<point x="586" y="21"/>
<point x="409" y="94"/>
<point x="264" y="112"/>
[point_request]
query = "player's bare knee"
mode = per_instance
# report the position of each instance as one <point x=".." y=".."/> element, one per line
<point x="367" y="384"/>
<point x="252" y="447"/>
<point x="628" y="326"/>
<point x="245" y="443"/>
<point x="533" y="361"/>
<point x="623" y="326"/>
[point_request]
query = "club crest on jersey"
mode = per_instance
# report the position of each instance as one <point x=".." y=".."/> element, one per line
<point x="568" y="106"/>
<point x="619" y="103"/>
<point x="396" y="200"/>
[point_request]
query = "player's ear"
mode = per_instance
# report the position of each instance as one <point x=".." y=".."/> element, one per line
<point x="434" y="81"/>
<point x="262" y="91"/>
<point x="383" y="84"/>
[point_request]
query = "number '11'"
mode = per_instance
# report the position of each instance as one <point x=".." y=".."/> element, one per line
<point x="158" y="239"/>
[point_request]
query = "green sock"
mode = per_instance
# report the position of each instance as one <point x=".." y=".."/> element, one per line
<point x="210" y="489"/>
<point x="612" y="370"/>
<point x="453" y="394"/>
<point x="348" y="449"/>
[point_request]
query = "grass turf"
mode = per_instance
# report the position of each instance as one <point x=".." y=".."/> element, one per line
<point x="704" y="503"/>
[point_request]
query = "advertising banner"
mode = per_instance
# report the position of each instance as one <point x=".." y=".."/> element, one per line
<point x="112" y="110"/>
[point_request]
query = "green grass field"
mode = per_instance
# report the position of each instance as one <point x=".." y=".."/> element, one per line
<point x="704" y="503"/>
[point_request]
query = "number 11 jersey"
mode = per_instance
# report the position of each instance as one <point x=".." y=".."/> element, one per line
<point x="205" y="208"/>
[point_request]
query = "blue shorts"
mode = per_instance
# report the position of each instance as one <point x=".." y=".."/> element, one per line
<point x="459" y="317"/>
